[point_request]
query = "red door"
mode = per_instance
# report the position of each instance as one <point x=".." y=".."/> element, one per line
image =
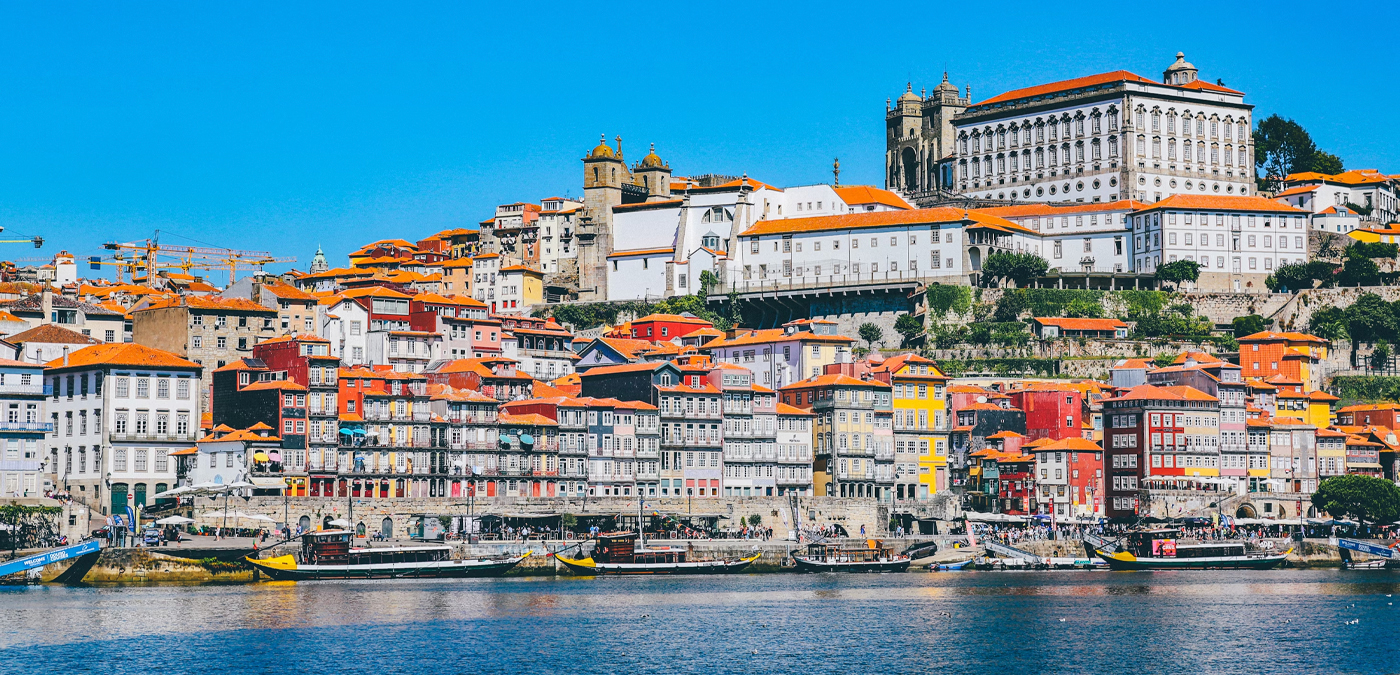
<point x="491" y="488"/>
<point x="456" y="488"/>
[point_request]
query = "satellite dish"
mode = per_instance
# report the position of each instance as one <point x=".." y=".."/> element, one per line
<point x="981" y="399"/>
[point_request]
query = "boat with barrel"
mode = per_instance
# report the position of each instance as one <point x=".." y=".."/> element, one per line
<point x="873" y="556"/>
<point x="1160" y="549"/>
<point x="619" y="553"/>
<point x="327" y="554"/>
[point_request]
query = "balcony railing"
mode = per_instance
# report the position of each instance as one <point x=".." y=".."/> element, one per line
<point x="37" y="389"/>
<point x="45" y="427"/>
<point x="151" y="436"/>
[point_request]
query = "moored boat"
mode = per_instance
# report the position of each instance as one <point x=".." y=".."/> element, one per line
<point x="1159" y="550"/>
<point x="618" y="553"/>
<point x="951" y="567"/>
<point x="828" y="557"/>
<point x="327" y="554"/>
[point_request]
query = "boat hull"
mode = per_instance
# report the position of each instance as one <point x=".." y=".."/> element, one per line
<point x="443" y="569"/>
<point x="805" y="564"/>
<point x="1126" y="561"/>
<point x="589" y="567"/>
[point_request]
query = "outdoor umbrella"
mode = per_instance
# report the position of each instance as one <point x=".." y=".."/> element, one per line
<point x="174" y="520"/>
<point x="339" y="522"/>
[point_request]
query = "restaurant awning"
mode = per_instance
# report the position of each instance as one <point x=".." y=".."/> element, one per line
<point x="265" y="483"/>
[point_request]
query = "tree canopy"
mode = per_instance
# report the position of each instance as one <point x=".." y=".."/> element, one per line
<point x="1248" y="325"/>
<point x="909" y="327"/>
<point x="1179" y="271"/>
<point x="1368" y="499"/>
<point x="1282" y="146"/>
<point x="1019" y="267"/>
<point x="1303" y="276"/>
<point x="871" y="333"/>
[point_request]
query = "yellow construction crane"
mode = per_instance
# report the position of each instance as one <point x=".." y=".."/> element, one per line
<point x="149" y="252"/>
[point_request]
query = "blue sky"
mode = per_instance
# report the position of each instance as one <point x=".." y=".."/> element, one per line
<point x="284" y="126"/>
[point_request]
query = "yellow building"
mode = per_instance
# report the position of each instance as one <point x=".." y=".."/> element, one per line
<point x="920" y="425"/>
<point x="853" y="444"/>
<point x="517" y="288"/>
<point x="457" y="277"/>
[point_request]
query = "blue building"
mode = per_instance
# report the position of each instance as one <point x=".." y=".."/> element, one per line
<point x="23" y="424"/>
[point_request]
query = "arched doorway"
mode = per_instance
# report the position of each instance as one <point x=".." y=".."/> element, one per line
<point x="974" y="258"/>
<point x="118" y="499"/>
<point x="304" y="523"/>
<point x="1246" y="511"/>
<point x="911" y="169"/>
<point x="360" y="530"/>
<point x="326" y="523"/>
<point x="386" y="528"/>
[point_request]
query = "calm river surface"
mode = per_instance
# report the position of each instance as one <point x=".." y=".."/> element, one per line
<point x="1293" y="621"/>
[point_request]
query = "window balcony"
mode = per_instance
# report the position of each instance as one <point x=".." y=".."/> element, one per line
<point x="45" y="427"/>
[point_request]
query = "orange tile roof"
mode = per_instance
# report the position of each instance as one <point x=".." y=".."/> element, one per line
<point x="785" y="409"/>
<point x="123" y="354"/>
<point x="207" y="302"/>
<point x="866" y="194"/>
<point x="865" y="219"/>
<point x="1270" y="336"/>
<point x="1322" y="396"/>
<point x="1081" y="324"/>
<point x="51" y="333"/>
<point x="287" y="291"/>
<point x="1353" y="177"/>
<point x="1221" y="203"/>
<point x="1006" y="434"/>
<point x="642" y="206"/>
<point x="642" y="251"/>
<point x="274" y="385"/>
<point x="772" y="335"/>
<point x="1071" y="444"/>
<point x="836" y="379"/>
<point x="1065" y="85"/>
<point x="1301" y="189"/>
<point x="1146" y="392"/>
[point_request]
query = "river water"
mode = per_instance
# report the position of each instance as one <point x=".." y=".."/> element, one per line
<point x="1294" y="621"/>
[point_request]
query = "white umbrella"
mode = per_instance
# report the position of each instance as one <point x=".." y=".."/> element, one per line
<point x="250" y="516"/>
<point x="175" y="492"/>
<point x="237" y="485"/>
<point x="174" y="520"/>
<point x="339" y="522"/>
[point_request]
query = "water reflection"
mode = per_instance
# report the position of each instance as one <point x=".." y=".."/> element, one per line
<point x="1027" y="622"/>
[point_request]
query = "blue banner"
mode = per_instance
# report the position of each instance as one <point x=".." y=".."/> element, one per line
<point x="49" y="557"/>
<point x="1369" y="549"/>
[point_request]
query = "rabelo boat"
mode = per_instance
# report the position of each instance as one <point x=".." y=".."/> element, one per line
<point x="327" y="554"/>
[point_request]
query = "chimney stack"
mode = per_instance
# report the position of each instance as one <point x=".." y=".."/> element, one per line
<point x="65" y="355"/>
<point x="46" y="304"/>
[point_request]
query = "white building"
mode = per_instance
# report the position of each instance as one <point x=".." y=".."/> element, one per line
<point x="662" y="246"/>
<point x="1107" y="137"/>
<point x="1238" y="241"/>
<point x="1092" y="237"/>
<point x="119" y="411"/>
<point x="1366" y="192"/>
<point x="942" y="245"/>
<point x="558" y="225"/>
<point x="794" y="450"/>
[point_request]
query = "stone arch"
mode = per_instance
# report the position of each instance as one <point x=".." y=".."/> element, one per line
<point x="1246" y="510"/>
<point x="326" y="523"/>
<point x="910" y="163"/>
<point x="974" y="258"/>
<point x="386" y="527"/>
<point x="305" y="523"/>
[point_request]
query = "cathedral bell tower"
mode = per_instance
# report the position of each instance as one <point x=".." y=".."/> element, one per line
<point x="604" y="174"/>
<point x="654" y="175"/>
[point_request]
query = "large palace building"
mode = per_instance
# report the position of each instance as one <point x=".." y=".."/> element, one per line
<point x="1106" y="137"/>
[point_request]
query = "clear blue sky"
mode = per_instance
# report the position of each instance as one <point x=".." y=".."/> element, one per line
<point x="281" y="126"/>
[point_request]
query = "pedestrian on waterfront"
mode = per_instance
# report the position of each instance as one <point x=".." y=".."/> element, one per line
<point x="862" y="529"/>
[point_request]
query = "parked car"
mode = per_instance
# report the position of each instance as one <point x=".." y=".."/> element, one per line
<point x="151" y="536"/>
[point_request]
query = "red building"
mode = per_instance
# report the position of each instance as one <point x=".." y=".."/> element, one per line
<point x="307" y="361"/>
<point x="1016" y="474"/>
<point x="1051" y="412"/>
<point x="665" y="327"/>
<point x="1370" y="414"/>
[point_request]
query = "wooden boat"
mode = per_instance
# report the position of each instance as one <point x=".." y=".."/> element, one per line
<point x="327" y="554"/>
<point x="1159" y="550"/>
<point x="618" y="553"/>
<point x="873" y="557"/>
<point x="1379" y="556"/>
<point x="951" y="567"/>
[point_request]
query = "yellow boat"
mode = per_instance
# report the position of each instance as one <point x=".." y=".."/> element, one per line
<point x="617" y="553"/>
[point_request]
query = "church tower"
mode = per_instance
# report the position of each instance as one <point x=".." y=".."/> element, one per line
<point x="318" y="262"/>
<point x="655" y="176"/>
<point x="604" y="175"/>
<point x="918" y="137"/>
<point x="1179" y="73"/>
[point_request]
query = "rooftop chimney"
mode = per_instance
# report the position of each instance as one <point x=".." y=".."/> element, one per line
<point x="65" y="355"/>
<point x="46" y="304"/>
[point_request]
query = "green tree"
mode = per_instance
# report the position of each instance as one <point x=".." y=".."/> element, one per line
<point x="1019" y="268"/>
<point x="1179" y="271"/>
<point x="1329" y="323"/>
<point x="1378" y="249"/>
<point x="1010" y="306"/>
<point x="1248" y="325"/>
<point x="1368" y="499"/>
<point x="1359" y="271"/>
<point x="1380" y="356"/>
<point x="1369" y="319"/>
<point x="708" y="280"/>
<point x="755" y="520"/>
<point x="1301" y="276"/>
<point x="1282" y="146"/>
<point x="871" y="333"/>
<point x="909" y="327"/>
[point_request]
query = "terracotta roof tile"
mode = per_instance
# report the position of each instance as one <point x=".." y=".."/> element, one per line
<point x="122" y="354"/>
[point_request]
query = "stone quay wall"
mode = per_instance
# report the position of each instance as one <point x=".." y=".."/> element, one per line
<point x="773" y="512"/>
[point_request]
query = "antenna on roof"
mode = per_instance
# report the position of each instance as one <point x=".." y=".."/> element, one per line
<point x="836" y="171"/>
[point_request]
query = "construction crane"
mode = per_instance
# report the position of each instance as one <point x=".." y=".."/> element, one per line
<point x="148" y="254"/>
